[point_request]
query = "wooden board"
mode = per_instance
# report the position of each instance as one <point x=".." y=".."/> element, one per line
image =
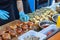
<point x="55" y="37"/>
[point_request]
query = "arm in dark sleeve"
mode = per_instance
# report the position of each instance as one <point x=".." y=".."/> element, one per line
<point x="26" y="6"/>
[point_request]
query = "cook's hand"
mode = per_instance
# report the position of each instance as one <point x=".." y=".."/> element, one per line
<point x="23" y="17"/>
<point x="4" y="15"/>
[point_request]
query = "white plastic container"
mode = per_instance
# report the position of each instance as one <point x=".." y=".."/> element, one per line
<point x="32" y="33"/>
<point x="51" y="27"/>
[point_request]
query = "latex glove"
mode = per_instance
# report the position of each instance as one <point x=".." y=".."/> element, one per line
<point x="23" y="17"/>
<point x="4" y="15"/>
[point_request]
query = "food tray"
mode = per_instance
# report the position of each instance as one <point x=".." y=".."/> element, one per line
<point x="32" y="33"/>
<point x="49" y="28"/>
<point x="11" y="23"/>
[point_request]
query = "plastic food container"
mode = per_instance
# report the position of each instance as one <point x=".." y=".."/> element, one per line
<point x="45" y="23"/>
<point x="49" y="30"/>
<point x="32" y="33"/>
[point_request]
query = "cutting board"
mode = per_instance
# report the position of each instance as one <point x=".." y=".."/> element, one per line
<point x="55" y="37"/>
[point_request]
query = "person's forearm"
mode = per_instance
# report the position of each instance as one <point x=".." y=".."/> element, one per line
<point x="20" y="5"/>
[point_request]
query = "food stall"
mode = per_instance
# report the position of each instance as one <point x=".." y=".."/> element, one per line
<point x="43" y="25"/>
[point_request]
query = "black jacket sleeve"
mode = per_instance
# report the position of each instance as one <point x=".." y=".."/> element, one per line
<point x="26" y="6"/>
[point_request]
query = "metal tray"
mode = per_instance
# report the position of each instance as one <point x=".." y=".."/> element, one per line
<point x="11" y="23"/>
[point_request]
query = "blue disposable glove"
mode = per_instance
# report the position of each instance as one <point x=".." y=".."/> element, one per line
<point x="4" y="15"/>
<point x="23" y="17"/>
